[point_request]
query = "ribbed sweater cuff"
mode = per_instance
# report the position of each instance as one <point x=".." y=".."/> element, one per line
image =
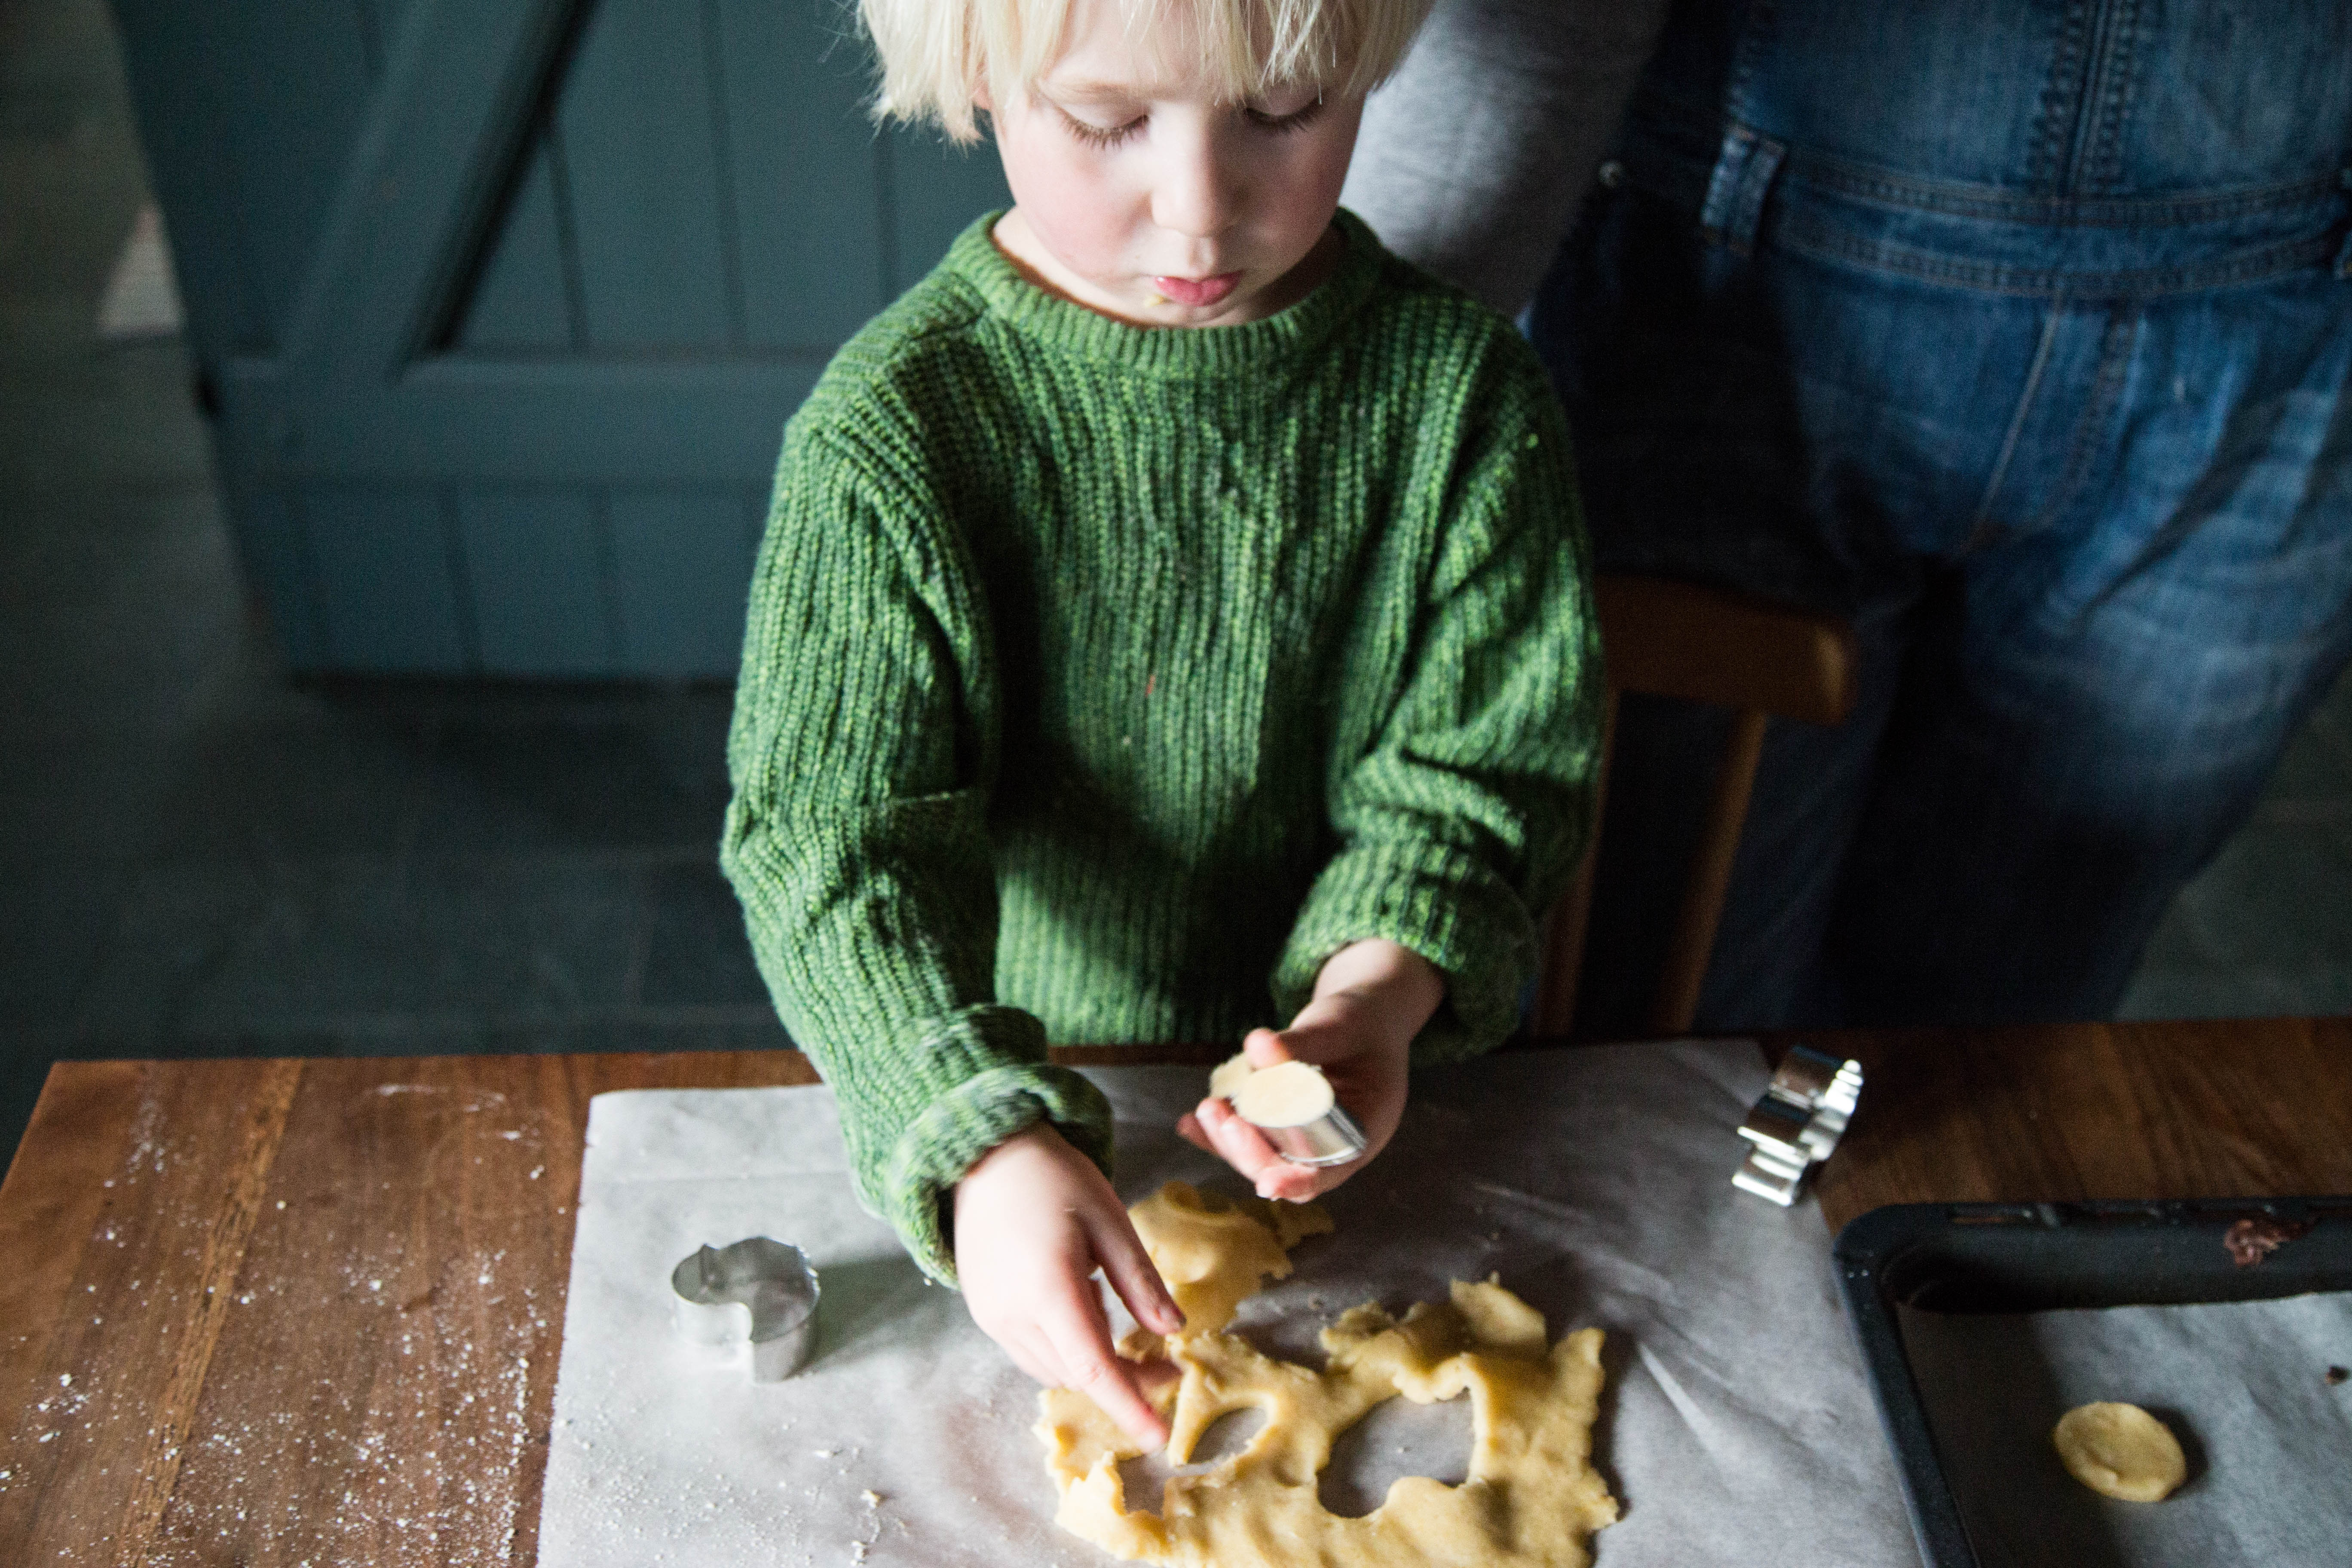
<point x="1447" y="906"/>
<point x="967" y="1120"/>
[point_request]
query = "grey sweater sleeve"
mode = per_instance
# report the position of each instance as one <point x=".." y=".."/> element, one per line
<point x="1475" y="154"/>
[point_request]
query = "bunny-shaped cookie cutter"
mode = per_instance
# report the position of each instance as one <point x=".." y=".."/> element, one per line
<point x="757" y="1293"/>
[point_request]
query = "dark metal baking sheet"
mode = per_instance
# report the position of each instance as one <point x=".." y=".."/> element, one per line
<point x="2032" y="1258"/>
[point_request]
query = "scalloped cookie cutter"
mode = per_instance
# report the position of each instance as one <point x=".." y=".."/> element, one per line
<point x="757" y="1293"/>
<point x="1797" y="1122"/>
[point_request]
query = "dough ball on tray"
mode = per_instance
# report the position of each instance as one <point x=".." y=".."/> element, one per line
<point x="2120" y="1451"/>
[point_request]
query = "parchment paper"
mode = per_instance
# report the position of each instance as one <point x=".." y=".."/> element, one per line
<point x="2242" y="1385"/>
<point x="1735" y="1427"/>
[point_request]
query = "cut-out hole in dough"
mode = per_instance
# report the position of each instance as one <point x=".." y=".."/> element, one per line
<point x="1397" y="1438"/>
<point x="1143" y="1479"/>
<point x="1226" y="1435"/>
<point x="1533" y="1498"/>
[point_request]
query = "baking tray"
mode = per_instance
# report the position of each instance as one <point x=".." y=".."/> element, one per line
<point x="2037" y="1257"/>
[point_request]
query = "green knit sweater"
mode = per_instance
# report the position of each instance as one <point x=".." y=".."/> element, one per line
<point x="1101" y="681"/>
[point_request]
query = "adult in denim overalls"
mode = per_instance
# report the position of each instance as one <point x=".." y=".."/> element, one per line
<point x="2018" y="331"/>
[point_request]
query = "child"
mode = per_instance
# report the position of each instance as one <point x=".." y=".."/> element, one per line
<point x="1172" y="618"/>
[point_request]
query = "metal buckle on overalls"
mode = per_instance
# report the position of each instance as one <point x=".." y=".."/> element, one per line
<point x="1797" y="1123"/>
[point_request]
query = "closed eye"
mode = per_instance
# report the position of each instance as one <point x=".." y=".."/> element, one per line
<point x="1095" y="135"/>
<point x="1297" y="120"/>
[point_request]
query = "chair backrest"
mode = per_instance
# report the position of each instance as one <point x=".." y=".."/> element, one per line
<point x="1666" y="638"/>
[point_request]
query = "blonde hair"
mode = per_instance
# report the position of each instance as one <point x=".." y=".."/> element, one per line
<point x="936" y="55"/>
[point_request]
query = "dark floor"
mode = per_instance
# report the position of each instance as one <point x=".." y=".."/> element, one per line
<point x="198" y="859"/>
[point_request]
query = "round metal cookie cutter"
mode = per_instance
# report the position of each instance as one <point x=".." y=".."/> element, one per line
<point x="1304" y="1120"/>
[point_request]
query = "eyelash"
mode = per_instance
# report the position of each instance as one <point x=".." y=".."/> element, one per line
<point x="1098" y="136"/>
<point x="1279" y="124"/>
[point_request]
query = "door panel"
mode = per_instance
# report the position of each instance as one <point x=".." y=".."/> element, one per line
<point x="387" y="598"/>
<point x="815" y="264"/>
<point x="682" y="563"/>
<point x="936" y="189"/>
<point x="641" y="146"/>
<point x="522" y="301"/>
<point x="383" y="19"/>
<point x="506" y="303"/>
<point x="538" y="566"/>
<point x="273" y="548"/>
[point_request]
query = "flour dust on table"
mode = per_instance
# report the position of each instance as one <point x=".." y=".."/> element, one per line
<point x="1730" y="1407"/>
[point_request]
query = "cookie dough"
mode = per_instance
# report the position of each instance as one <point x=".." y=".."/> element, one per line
<point x="1212" y="1251"/>
<point x="1226" y="1081"/>
<point x="1289" y="1095"/>
<point x="2120" y="1451"/>
<point x="1531" y="1496"/>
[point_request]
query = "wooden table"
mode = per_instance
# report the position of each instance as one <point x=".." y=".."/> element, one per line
<point x="274" y="1312"/>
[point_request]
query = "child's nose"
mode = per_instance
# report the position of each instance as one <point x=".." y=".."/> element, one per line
<point x="1198" y="194"/>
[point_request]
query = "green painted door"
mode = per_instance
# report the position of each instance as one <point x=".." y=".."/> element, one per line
<point x="501" y="304"/>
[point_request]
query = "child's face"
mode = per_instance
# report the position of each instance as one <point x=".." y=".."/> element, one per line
<point x="1141" y="196"/>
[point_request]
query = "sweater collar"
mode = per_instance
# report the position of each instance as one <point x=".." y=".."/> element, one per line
<point x="1074" y="330"/>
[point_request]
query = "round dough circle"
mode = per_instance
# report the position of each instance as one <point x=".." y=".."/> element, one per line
<point x="1291" y="1094"/>
<point x="2120" y="1451"/>
<point x="1226" y="1080"/>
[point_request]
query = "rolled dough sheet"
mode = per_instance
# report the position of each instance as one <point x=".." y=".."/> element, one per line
<point x="1595" y="1181"/>
<point x="2242" y="1386"/>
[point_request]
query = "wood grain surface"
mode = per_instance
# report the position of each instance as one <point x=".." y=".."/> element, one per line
<point x="2216" y="1109"/>
<point x="275" y="1313"/>
<point x="284" y="1312"/>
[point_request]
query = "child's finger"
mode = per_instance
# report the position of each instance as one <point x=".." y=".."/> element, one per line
<point x="1091" y="1367"/>
<point x="1234" y="1141"/>
<point x="1296" y="1183"/>
<point x="1151" y="1376"/>
<point x="1264" y="1048"/>
<point x="1188" y="1127"/>
<point x="1034" y="1360"/>
<point x="1244" y="1147"/>
<point x="1132" y="1274"/>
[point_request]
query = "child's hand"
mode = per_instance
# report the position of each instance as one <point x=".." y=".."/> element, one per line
<point x="1033" y="1219"/>
<point x="1370" y="999"/>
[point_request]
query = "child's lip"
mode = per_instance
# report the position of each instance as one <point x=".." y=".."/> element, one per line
<point x="1198" y="290"/>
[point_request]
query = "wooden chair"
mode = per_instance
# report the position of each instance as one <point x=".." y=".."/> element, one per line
<point x="1666" y="638"/>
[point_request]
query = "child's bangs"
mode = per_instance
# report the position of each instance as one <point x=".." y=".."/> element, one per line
<point x="939" y="56"/>
<point x="1246" y="48"/>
